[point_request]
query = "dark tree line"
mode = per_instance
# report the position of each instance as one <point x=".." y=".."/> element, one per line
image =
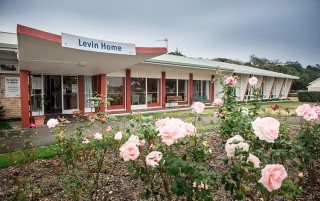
<point x="306" y="75"/>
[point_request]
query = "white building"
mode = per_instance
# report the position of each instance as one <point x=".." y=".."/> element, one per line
<point x="65" y="70"/>
<point x="314" y="85"/>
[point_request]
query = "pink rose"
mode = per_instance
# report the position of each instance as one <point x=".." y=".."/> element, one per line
<point x="253" y="81"/>
<point x="255" y="160"/>
<point x="230" y="147"/>
<point x="142" y="142"/>
<point x="266" y="128"/>
<point x="317" y="109"/>
<point x="310" y="115"/>
<point x="173" y="131"/>
<point x="118" y="136"/>
<point x="85" y="141"/>
<point x="198" y="107"/>
<point x="191" y="130"/>
<point x="134" y="139"/>
<point x="302" y="109"/>
<point x="109" y="129"/>
<point x="52" y="123"/>
<point x="162" y="122"/>
<point x="153" y="158"/>
<point x="272" y="176"/>
<point x="129" y="151"/>
<point x="217" y="102"/>
<point x="231" y="81"/>
<point x="97" y="136"/>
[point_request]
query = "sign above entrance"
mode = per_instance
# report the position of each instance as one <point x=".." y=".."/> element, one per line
<point x="89" y="44"/>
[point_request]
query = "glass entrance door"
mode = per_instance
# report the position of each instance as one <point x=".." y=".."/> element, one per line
<point x="52" y="94"/>
<point x="70" y="94"/>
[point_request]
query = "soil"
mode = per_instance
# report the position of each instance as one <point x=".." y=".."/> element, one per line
<point x="42" y="178"/>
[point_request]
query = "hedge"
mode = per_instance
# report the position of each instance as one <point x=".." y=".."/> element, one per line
<point x="309" y="96"/>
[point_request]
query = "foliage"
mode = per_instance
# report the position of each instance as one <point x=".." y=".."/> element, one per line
<point x="183" y="170"/>
<point x="5" y="126"/>
<point x="309" y="96"/>
<point x="177" y="53"/>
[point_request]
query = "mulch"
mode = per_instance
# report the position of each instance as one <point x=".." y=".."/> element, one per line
<point x="42" y="177"/>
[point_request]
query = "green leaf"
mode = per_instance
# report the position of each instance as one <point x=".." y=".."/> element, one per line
<point x="175" y="169"/>
<point x="239" y="194"/>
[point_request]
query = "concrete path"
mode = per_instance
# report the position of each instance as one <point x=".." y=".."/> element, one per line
<point x="44" y="137"/>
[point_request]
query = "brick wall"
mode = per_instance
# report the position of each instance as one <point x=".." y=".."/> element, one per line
<point x="12" y="106"/>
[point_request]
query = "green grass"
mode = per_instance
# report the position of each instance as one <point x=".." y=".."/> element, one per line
<point x="18" y="157"/>
<point x="5" y="126"/>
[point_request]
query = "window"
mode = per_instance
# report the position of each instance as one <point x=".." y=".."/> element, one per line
<point x="200" y="90"/>
<point x="36" y="96"/>
<point x="153" y="90"/>
<point x="88" y="92"/>
<point x="176" y="87"/>
<point x="115" y="89"/>
<point x="138" y="91"/>
<point x="264" y="89"/>
<point x="9" y="68"/>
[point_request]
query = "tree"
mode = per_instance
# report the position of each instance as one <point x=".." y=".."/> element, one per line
<point x="177" y="53"/>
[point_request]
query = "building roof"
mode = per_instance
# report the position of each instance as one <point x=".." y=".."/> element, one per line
<point x="314" y="81"/>
<point x="8" y="40"/>
<point x="205" y="63"/>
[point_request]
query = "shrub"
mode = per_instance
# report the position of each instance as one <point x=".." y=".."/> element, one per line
<point x="309" y="96"/>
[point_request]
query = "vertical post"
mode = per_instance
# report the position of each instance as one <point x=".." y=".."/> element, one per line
<point x="190" y="88"/>
<point x="212" y="88"/>
<point x="163" y="89"/>
<point x="128" y="90"/>
<point x="103" y="90"/>
<point x="24" y="91"/>
<point x="81" y="93"/>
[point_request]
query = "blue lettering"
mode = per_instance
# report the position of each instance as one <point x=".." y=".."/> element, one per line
<point x="103" y="45"/>
<point x="96" y="45"/>
<point x="80" y="42"/>
<point x="111" y="47"/>
<point x="84" y="44"/>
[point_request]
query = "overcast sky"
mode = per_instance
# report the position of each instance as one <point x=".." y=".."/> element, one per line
<point x="274" y="29"/>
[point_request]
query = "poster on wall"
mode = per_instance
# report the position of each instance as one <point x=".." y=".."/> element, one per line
<point x="12" y="86"/>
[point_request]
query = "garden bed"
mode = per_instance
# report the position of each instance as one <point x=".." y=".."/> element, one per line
<point x="42" y="179"/>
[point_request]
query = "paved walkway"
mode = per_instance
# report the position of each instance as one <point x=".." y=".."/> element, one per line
<point x="43" y="136"/>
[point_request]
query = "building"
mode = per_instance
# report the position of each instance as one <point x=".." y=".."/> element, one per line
<point x="314" y="85"/>
<point x="63" y="71"/>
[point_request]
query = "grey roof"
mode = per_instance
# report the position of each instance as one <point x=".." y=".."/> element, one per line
<point x="204" y="63"/>
<point x="316" y="80"/>
<point x="8" y="40"/>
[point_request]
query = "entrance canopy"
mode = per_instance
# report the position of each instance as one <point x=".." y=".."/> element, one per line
<point x="42" y="53"/>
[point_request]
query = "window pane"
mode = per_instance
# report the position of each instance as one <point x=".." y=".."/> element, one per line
<point x="70" y="92"/>
<point x="205" y="89"/>
<point x="182" y="89"/>
<point x="171" y="88"/>
<point x="196" y="89"/>
<point x="115" y="90"/>
<point x="8" y="67"/>
<point x="153" y="90"/>
<point x="138" y="89"/>
<point x="88" y="92"/>
<point x="37" y="93"/>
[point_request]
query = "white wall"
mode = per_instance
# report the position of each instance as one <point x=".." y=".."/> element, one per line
<point x="269" y="84"/>
<point x="278" y="84"/>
